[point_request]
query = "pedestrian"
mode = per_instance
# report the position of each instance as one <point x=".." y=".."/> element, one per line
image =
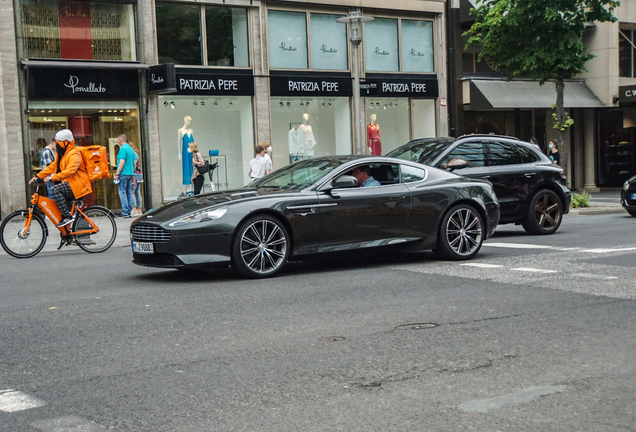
<point x="553" y="153"/>
<point x="47" y="158"/>
<point x="268" y="153"/>
<point x="124" y="175"/>
<point x="534" y="141"/>
<point x="197" y="161"/>
<point x="138" y="178"/>
<point x="260" y="166"/>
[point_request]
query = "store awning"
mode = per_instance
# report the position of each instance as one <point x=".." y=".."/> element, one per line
<point x="500" y="94"/>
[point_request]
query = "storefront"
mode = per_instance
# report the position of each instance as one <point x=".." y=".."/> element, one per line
<point x="213" y="108"/>
<point x="398" y="109"/>
<point x="97" y="102"/>
<point x="311" y="116"/>
<point x="617" y="140"/>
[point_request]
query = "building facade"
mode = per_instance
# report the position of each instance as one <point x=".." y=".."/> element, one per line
<point x="601" y="145"/>
<point x="226" y="75"/>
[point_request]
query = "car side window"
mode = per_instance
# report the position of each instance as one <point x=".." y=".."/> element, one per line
<point x="527" y="156"/>
<point x="471" y="152"/>
<point x="411" y="174"/>
<point x="503" y="154"/>
<point x="386" y="173"/>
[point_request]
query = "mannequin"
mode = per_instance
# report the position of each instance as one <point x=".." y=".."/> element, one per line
<point x="183" y="145"/>
<point x="309" y="141"/>
<point x="373" y="137"/>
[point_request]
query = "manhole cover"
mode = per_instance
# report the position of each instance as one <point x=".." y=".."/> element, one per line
<point x="332" y="338"/>
<point x="418" y="326"/>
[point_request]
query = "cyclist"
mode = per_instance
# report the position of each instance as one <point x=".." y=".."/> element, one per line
<point x="68" y="173"/>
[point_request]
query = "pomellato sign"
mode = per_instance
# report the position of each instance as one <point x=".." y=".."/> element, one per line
<point x="82" y="84"/>
<point x="161" y="79"/>
<point x="311" y="86"/>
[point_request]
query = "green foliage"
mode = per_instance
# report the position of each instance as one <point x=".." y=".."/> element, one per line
<point x="580" y="200"/>
<point x="556" y="125"/>
<point x="539" y="38"/>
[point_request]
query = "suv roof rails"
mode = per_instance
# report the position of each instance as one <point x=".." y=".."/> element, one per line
<point x="487" y="136"/>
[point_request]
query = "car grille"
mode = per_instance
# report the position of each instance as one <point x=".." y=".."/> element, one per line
<point x="149" y="233"/>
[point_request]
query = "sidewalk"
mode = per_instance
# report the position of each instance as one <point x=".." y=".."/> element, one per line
<point x="607" y="201"/>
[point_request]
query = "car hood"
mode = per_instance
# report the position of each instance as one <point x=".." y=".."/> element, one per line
<point x="176" y="209"/>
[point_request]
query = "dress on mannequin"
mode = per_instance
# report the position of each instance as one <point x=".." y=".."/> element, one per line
<point x="373" y="139"/>
<point x="186" y="158"/>
<point x="309" y="142"/>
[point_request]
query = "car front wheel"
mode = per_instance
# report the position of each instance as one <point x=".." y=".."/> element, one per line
<point x="261" y="247"/>
<point x="545" y="213"/>
<point x="461" y="234"/>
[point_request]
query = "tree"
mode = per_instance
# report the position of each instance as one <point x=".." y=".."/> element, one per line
<point x="542" y="39"/>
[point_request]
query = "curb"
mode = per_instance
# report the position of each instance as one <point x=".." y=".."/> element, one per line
<point x="593" y="211"/>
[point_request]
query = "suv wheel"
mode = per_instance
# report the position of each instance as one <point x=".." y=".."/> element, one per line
<point x="545" y="213"/>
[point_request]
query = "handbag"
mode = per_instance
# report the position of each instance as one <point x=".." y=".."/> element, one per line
<point x="204" y="168"/>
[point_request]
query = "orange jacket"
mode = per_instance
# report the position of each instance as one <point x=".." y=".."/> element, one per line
<point x="72" y="171"/>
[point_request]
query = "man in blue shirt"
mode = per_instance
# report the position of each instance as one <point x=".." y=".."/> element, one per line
<point x="363" y="174"/>
<point x="124" y="175"/>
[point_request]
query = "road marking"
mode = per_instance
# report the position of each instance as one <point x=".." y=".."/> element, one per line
<point x="518" y="246"/>
<point x="608" y="250"/>
<point x="594" y="276"/>
<point x="483" y="265"/>
<point x="525" y="395"/>
<point x="67" y="424"/>
<point x="12" y="401"/>
<point x="534" y="270"/>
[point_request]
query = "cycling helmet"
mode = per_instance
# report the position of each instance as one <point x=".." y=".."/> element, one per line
<point x="64" y="137"/>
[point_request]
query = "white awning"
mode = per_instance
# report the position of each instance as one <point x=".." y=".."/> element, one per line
<point x="500" y="94"/>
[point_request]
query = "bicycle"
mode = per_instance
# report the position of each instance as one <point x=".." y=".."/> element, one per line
<point x="94" y="228"/>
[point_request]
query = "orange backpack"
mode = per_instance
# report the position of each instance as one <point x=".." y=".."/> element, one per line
<point x="96" y="162"/>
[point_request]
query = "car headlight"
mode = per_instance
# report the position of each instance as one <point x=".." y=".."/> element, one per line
<point x="200" y="216"/>
<point x="626" y="185"/>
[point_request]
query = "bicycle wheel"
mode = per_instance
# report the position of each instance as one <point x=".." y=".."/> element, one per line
<point x="104" y="237"/>
<point x="20" y="243"/>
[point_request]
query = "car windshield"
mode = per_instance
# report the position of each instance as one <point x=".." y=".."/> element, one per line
<point x="299" y="175"/>
<point x="422" y="152"/>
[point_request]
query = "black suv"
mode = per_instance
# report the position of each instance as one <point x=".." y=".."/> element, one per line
<point x="531" y="190"/>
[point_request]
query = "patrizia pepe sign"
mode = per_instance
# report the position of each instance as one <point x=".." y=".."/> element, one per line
<point x="83" y="84"/>
<point x="422" y="88"/>
<point x="310" y="86"/>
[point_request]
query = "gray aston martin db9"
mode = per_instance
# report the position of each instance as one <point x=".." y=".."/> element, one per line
<point x="317" y="206"/>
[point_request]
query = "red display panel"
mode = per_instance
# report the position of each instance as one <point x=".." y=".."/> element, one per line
<point x="76" y="38"/>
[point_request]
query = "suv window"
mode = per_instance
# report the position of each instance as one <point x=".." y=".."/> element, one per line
<point x="528" y="156"/>
<point x="471" y="152"/>
<point x="503" y="154"/>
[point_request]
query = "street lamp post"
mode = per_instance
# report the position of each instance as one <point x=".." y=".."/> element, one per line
<point x="355" y="20"/>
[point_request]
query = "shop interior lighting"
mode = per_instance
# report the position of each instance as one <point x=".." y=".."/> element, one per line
<point x="324" y="104"/>
<point x="194" y="103"/>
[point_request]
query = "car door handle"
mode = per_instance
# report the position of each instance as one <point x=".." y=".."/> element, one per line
<point x="530" y="174"/>
<point x="485" y="177"/>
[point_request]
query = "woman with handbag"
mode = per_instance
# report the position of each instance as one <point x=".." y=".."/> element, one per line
<point x="197" y="161"/>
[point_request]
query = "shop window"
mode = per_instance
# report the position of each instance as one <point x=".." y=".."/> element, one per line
<point x="386" y="51"/>
<point x="391" y="121"/>
<point x="98" y="123"/>
<point x="381" y="45"/>
<point x="290" y="46"/>
<point x="417" y="46"/>
<point x="202" y="35"/>
<point x="626" y="49"/>
<point x="78" y="30"/>
<point x="306" y="127"/>
<point x="221" y="125"/>
<point x="287" y="39"/>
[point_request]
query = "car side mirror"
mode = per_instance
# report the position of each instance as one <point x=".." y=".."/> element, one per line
<point x="455" y="164"/>
<point x="344" y="181"/>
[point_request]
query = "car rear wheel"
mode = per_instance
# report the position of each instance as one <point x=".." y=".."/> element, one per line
<point x="261" y="247"/>
<point x="545" y="213"/>
<point x="461" y="234"/>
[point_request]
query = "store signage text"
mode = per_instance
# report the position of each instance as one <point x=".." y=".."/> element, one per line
<point x="403" y="87"/>
<point x="312" y="86"/>
<point x="73" y="84"/>
<point x="378" y="52"/>
<point x="416" y="53"/>
<point x="155" y="79"/>
<point x="627" y="94"/>
<point x="283" y="46"/>
<point x="326" y="50"/>
<point x="630" y="93"/>
<point x="205" y="84"/>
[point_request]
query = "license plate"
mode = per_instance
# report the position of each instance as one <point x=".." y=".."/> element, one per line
<point x="634" y="196"/>
<point x="143" y="248"/>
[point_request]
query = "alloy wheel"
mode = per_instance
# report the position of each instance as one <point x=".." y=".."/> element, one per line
<point x="547" y="211"/>
<point x="263" y="246"/>
<point x="464" y="231"/>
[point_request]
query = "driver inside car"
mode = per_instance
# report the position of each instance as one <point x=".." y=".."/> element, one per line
<point x="364" y="177"/>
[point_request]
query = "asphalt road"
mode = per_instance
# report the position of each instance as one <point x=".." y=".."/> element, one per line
<point x="535" y="334"/>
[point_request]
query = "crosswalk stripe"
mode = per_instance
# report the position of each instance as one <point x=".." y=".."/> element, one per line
<point x="518" y="246"/>
<point x="534" y="270"/>
<point x="482" y="265"/>
<point x="67" y="424"/>
<point x="608" y="250"/>
<point x="12" y="401"/>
